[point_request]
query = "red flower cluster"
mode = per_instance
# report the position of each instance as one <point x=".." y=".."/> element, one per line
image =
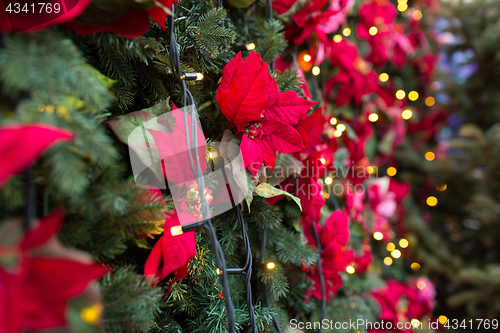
<point x="35" y="289"/>
<point x="333" y="238"/>
<point x="249" y="98"/>
<point x="355" y="79"/>
<point x="386" y="38"/>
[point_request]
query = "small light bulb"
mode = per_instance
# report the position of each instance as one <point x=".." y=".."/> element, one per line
<point x="350" y="270"/>
<point x="337" y="38"/>
<point x="388" y="261"/>
<point x="346" y="32"/>
<point x="415" y="266"/>
<point x="441" y="187"/>
<point x="431" y="201"/>
<point x="270" y="265"/>
<point x="373" y="31"/>
<point x="199" y="76"/>
<point x="404" y="243"/>
<point x="390" y="247"/>
<point x="371" y="170"/>
<point x="212" y="154"/>
<point x="250" y="46"/>
<point x="333" y="121"/>
<point x="337" y="133"/>
<point x="430" y="156"/>
<point x="328" y="180"/>
<point x="307" y="58"/>
<point x="176" y="230"/>
<point x="322" y="160"/>
<point x="341" y="127"/>
<point x="383" y="77"/>
<point x="421" y="285"/>
<point x="435" y="86"/>
<point x="417" y="15"/>
<point x="50" y="109"/>
<point x="378" y="235"/>
<point x="402" y="6"/>
<point x="413" y="95"/>
<point x="407" y="114"/>
<point x="391" y="171"/>
<point x="218" y="271"/>
<point x="92" y="314"/>
<point x="400" y="94"/>
<point x="415" y="323"/>
<point x="430" y="101"/>
<point x="442" y="319"/>
<point x="316" y="70"/>
<point x="373" y="117"/>
<point x="325" y="195"/>
<point x="396" y="254"/>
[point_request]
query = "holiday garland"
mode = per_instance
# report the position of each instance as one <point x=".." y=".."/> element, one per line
<point x="318" y="130"/>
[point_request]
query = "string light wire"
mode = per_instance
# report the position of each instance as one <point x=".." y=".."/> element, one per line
<point x="194" y="161"/>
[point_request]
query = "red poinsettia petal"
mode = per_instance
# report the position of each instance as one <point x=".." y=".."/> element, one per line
<point x="158" y="14"/>
<point x="254" y="152"/>
<point x="134" y="23"/>
<point x="288" y="107"/>
<point x="242" y="94"/>
<point x="173" y="152"/>
<point x="285" y="139"/>
<point x="48" y="285"/>
<point x="21" y="145"/>
<point x="47" y="227"/>
<point x="336" y="229"/>
<point x="31" y="21"/>
<point x="170" y="252"/>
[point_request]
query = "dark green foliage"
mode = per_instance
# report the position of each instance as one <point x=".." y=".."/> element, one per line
<point x="130" y="302"/>
<point x="271" y="40"/>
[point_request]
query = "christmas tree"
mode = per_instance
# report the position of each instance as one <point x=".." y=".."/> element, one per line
<point x="288" y="208"/>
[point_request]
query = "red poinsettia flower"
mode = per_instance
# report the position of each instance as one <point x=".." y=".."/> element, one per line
<point x="22" y="144"/>
<point x="386" y="194"/>
<point x="171" y="254"/>
<point x="380" y="14"/>
<point x="354" y="201"/>
<point x="134" y="23"/>
<point x="317" y="155"/>
<point x="333" y="238"/>
<point x="313" y="18"/>
<point x="355" y="79"/>
<point x="173" y="151"/>
<point x="363" y="257"/>
<point x="400" y="303"/>
<point x="356" y="146"/>
<point x="249" y="98"/>
<point x="38" y="277"/>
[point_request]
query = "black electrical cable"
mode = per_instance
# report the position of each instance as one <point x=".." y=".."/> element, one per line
<point x="194" y="162"/>
<point x="320" y="274"/>
<point x="263" y="243"/>
<point x="270" y="18"/>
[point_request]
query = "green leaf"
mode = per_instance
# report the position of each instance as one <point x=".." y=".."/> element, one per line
<point x="267" y="191"/>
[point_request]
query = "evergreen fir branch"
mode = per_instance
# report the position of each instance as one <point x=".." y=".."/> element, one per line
<point x="288" y="80"/>
<point x="275" y="280"/>
<point x="46" y="64"/>
<point x="299" y="254"/>
<point x="272" y="40"/>
<point x="130" y="302"/>
<point x="208" y="35"/>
